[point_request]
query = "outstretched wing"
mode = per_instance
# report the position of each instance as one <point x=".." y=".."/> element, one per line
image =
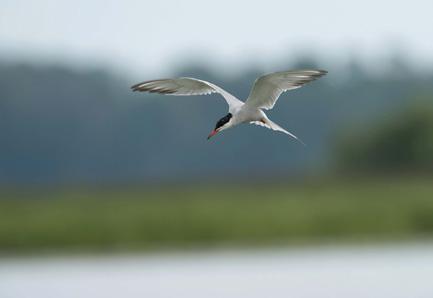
<point x="268" y="88"/>
<point x="184" y="87"/>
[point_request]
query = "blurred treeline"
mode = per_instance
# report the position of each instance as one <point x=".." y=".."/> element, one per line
<point x="66" y="126"/>
<point x="400" y="144"/>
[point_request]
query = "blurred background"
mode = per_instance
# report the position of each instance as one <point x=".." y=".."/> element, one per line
<point x="108" y="193"/>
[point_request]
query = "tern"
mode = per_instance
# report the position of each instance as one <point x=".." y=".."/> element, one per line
<point x="263" y="96"/>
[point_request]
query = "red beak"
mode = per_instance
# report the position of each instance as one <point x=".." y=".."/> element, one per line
<point x="214" y="132"/>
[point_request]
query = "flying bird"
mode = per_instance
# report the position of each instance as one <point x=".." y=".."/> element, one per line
<point x="263" y="96"/>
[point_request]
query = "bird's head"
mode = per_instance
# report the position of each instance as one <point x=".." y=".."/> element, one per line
<point x="223" y="123"/>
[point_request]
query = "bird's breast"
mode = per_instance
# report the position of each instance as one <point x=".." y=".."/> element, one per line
<point x="247" y="115"/>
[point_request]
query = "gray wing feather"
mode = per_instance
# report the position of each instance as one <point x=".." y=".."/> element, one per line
<point x="268" y="88"/>
<point x="185" y="87"/>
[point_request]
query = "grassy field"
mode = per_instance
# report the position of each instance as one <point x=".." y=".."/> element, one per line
<point x="135" y="219"/>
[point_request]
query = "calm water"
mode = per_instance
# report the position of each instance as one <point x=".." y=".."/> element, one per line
<point x="401" y="271"/>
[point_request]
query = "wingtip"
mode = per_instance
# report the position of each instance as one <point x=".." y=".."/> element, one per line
<point x="136" y="87"/>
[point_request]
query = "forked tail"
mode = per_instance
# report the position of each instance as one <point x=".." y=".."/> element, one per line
<point x="266" y="122"/>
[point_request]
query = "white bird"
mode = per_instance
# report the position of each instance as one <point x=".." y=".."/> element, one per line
<point x="263" y="96"/>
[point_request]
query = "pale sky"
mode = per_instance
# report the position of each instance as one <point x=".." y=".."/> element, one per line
<point x="153" y="36"/>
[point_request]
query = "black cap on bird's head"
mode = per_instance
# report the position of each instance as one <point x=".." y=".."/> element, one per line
<point x="220" y="124"/>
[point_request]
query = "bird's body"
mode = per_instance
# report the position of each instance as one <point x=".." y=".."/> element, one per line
<point x="245" y="114"/>
<point x="263" y="96"/>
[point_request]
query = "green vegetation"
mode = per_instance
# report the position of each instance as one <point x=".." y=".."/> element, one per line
<point x="403" y="142"/>
<point x="236" y="215"/>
